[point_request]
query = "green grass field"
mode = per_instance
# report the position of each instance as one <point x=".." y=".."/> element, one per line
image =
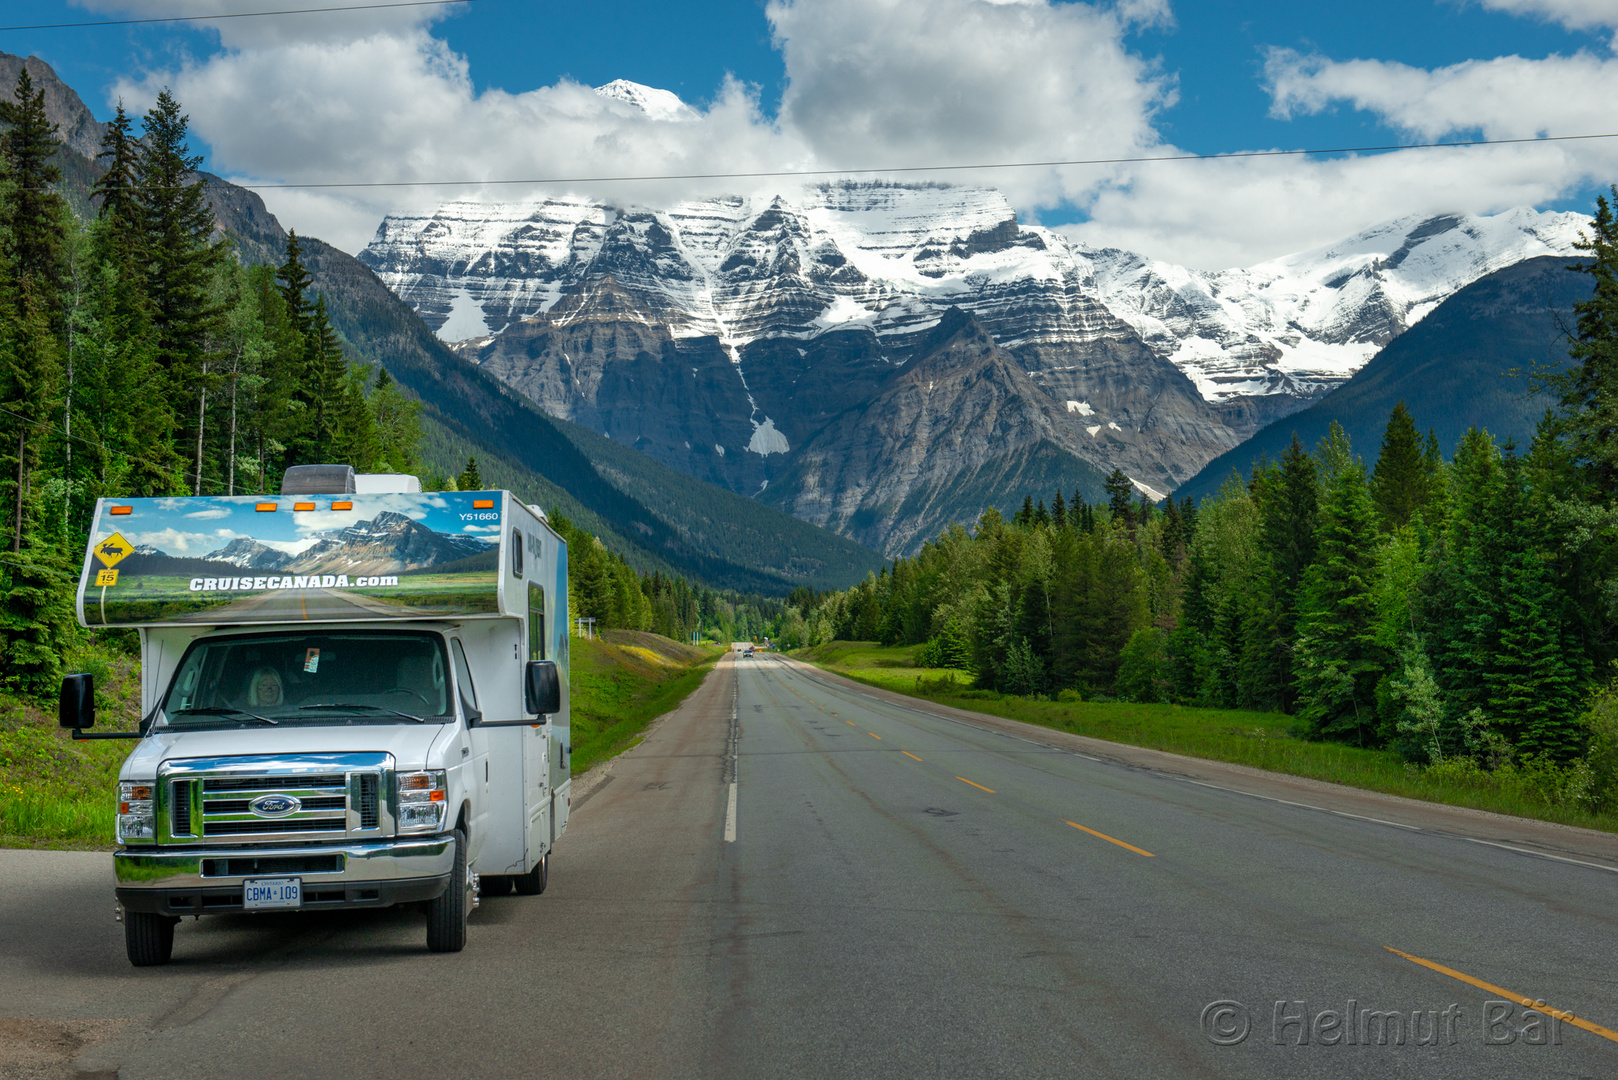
<point x="1259" y="740"/>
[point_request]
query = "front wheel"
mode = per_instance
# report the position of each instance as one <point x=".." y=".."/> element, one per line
<point x="533" y="883"/>
<point x="447" y="913"/>
<point x="149" y="938"/>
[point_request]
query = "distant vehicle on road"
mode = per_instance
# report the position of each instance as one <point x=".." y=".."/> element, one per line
<point x="360" y="700"/>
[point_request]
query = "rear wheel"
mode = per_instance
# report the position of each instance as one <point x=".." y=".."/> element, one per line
<point x="533" y="883"/>
<point x="149" y="937"/>
<point x="447" y="914"/>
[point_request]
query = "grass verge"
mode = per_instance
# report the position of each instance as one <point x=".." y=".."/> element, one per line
<point x="624" y="681"/>
<point x="1260" y="740"/>
<point x="55" y="792"/>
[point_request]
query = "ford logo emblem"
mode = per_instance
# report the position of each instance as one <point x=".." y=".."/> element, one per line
<point x="274" y="805"/>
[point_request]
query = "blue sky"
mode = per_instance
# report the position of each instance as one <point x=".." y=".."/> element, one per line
<point x="1033" y="79"/>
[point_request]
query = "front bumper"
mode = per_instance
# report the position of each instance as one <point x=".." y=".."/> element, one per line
<point x="209" y="880"/>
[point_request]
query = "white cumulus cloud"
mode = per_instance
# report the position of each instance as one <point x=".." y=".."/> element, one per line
<point x="887" y="83"/>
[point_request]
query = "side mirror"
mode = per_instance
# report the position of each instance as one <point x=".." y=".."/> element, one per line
<point x="77" y="707"/>
<point x="542" y="687"/>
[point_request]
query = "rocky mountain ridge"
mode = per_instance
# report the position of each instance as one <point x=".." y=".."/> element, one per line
<point x="761" y="343"/>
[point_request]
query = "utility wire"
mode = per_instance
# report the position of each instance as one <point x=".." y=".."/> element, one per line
<point x="237" y="15"/>
<point x="88" y="442"/>
<point x="920" y="168"/>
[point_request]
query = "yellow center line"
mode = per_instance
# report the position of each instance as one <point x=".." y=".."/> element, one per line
<point x="908" y="754"/>
<point x="1111" y="840"/>
<point x="980" y="787"/>
<point x="873" y="734"/>
<point x="1560" y="1014"/>
<point x="850" y="723"/>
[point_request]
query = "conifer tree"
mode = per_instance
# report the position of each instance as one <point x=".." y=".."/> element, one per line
<point x="181" y="256"/>
<point x="1339" y="662"/>
<point x="470" y="480"/>
<point x="1532" y="690"/>
<point x="35" y="234"/>
<point x="325" y="370"/>
<point x="1120" y="497"/>
<point x="1435" y="481"/>
<point x="1059" y="510"/>
<point x="1400" y="481"/>
<point x="294" y="280"/>
<point x="118" y="191"/>
<point x="1587" y="393"/>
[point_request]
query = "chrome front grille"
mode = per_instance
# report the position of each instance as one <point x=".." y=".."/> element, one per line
<point x="335" y="796"/>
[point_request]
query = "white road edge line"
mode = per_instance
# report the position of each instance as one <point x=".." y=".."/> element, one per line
<point x="730" y="816"/>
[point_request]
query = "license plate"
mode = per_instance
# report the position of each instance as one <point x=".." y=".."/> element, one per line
<point x="272" y="892"/>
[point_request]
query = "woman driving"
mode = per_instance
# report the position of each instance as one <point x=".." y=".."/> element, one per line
<point x="264" y="689"/>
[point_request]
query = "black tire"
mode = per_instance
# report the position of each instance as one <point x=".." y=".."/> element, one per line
<point x="149" y="938"/>
<point x="447" y="913"/>
<point x="533" y="883"/>
<point x="493" y="884"/>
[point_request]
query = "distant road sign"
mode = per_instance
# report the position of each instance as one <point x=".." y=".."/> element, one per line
<point x="113" y="550"/>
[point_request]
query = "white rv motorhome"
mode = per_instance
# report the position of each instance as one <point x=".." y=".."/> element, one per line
<point x="354" y="694"/>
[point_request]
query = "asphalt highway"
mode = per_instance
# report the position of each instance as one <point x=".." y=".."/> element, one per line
<point x="838" y="884"/>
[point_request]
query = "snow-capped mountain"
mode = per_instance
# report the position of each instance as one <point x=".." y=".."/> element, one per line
<point x="1309" y="321"/>
<point x="746" y="340"/>
<point x="388" y="543"/>
<point x="892" y="258"/>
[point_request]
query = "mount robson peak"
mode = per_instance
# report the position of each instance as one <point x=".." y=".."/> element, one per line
<point x="883" y="358"/>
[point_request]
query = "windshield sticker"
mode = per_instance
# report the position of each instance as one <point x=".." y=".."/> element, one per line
<point x="234" y="560"/>
<point x="311" y="661"/>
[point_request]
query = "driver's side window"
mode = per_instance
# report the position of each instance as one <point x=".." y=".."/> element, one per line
<point x="463" y="679"/>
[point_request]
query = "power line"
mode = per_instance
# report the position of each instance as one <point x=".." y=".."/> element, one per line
<point x="88" y="442"/>
<point x="237" y="15"/>
<point x="984" y="166"/>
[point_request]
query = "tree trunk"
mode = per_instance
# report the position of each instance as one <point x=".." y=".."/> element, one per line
<point x="230" y="482"/>
<point x="202" y="416"/>
<point x="16" y="534"/>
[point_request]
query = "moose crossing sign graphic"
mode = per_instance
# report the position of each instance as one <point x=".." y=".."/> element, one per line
<point x="113" y="550"/>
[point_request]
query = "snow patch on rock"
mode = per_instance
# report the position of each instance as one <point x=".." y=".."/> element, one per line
<point x="767" y="440"/>
<point x="465" y="319"/>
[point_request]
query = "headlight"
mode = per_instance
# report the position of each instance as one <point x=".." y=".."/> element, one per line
<point x="135" y="823"/>
<point x="423" y="801"/>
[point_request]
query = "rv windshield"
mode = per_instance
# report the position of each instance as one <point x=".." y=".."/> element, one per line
<point x="337" y="677"/>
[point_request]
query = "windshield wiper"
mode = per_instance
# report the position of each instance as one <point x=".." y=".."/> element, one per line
<point x="368" y="708"/>
<point x="219" y="710"/>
